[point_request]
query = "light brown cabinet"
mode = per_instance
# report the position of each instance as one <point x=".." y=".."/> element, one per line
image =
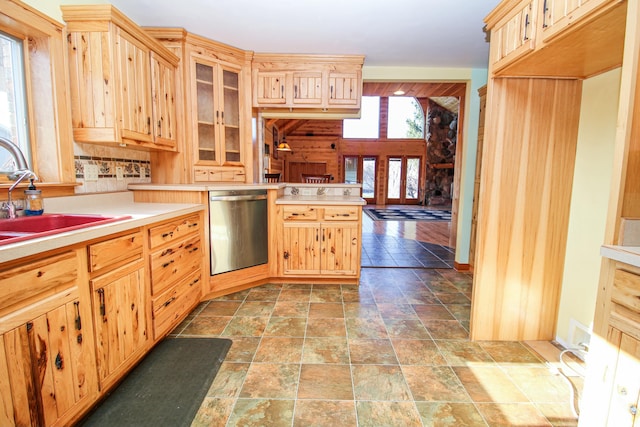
<point x="215" y="110"/>
<point x="122" y="80"/>
<point x="556" y="38"/>
<point x="512" y="37"/>
<point x="321" y="240"/>
<point x="118" y="295"/>
<point x="46" y="345"/>
<point x="314" y="82"/>
<point x="176" y="271"/>
<point x="612" y="386"/>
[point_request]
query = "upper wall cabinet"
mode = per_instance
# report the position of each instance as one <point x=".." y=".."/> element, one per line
<point x="531" y="38"/>
<point x="215" y="143"/>
<point x="122" y="80"/>
<point x="284" y="83"/>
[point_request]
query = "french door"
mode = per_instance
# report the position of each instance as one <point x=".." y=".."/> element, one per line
<point x="362" y="169"/>
<point x="403" y="180"/>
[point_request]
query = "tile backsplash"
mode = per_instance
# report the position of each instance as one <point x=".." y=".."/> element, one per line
<point x="135" y="167"/>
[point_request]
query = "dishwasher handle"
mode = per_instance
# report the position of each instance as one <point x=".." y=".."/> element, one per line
<point x="237" y="198"/>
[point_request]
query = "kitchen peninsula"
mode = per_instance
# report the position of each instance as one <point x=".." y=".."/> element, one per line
<point x="314" y="232"/>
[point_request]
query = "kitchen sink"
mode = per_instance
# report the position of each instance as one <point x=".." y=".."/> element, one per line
<point x="31" y="227"/>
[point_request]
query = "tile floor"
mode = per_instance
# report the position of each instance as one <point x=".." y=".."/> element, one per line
<point x="393" y="351"/>
<point x="379" y="250"/>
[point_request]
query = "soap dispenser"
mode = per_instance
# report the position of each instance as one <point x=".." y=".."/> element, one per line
<point x="34" y="205"/>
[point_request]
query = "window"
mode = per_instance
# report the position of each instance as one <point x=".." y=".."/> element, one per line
<point x="13" y="115"/>
<point x="406" y="118"/>
<point x="368" y="125"/>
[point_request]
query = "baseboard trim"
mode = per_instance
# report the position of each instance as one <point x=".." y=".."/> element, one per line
<point x="461" y="267"/>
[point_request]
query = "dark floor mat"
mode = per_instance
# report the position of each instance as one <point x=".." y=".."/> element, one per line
<point x="166" y="388"/>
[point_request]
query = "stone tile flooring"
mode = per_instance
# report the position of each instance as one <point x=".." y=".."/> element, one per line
<point x="393" y="351"/>
<point x="390" y="251"/>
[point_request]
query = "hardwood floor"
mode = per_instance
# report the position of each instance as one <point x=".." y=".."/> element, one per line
<point x="424" y="231"/>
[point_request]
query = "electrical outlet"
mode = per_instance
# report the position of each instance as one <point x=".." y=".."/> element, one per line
<point x="91" y="172"/>
<point x="143" y="172"/>
<point x="119" y="173"/>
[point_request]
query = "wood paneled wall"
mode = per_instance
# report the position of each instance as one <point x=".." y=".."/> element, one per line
<point x="525" y="191"/>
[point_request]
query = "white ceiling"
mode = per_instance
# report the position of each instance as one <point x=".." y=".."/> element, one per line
<point x="415" y="33"/>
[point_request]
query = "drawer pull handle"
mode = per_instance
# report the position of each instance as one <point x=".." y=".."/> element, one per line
<point x="79" y="339"/>
<point x="167" y="264"/>
<point x="103" y="308"/>
<point x="76" y="305"/>
<point x="59" y="362"/>
<point x="193" y="250"/>
<point x="188" y="246"/>
<point x="169" y="234"/>
<point x="39" y="274"/>
<point x="169" y="302"/>
<point x="166" y="252"/>
<point x="194" y="282"/>
<point x="286" y="255"/>
<point x="193" y="224"/>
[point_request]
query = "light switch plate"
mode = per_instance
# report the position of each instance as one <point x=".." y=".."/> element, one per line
<point x="119" y="173"/>
<point x="91" y="172"/>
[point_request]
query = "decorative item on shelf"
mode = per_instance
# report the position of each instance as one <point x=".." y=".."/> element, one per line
<point x="283" y="146"/>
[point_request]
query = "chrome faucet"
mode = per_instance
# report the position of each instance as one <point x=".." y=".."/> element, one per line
<point x="17" y="175"/>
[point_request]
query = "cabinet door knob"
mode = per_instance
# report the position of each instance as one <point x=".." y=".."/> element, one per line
<point x="633" y="409"/>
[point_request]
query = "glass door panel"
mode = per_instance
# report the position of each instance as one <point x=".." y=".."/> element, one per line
<point x="362" y="169"/>
<point x="369" y="179"/>
<point x="403" y="180"/>
<point x="412" y="181"/>
<point x="394" y="180"/>
<point x="351" y="170"/>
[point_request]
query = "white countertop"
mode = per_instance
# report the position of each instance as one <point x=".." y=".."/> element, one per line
<point x="626" y="254"/>
<point x="206" y="187"/>
<point x="108" y="204"/>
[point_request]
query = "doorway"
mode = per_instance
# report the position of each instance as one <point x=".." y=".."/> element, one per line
<point x="403" y="180"/>
<point x="362" y="170"/>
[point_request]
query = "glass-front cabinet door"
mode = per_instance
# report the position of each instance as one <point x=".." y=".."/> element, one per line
<point x="218" y="103"/>
<point x="206" y="131"/>
<point x="231" y="116"/>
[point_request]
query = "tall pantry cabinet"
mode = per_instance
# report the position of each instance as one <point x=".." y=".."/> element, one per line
<point x="215" y="144"/>
<point x="537" y="63"/>
<point x="531" y="131"/>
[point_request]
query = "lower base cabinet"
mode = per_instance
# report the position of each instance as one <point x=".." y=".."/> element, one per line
<point x="118" y="300"/>
<point x="47" y="362"/>
<point x="321" y="240"/>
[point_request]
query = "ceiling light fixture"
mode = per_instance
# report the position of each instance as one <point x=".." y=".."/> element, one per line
<point x="398" y="92"/>
<point x="283" y="146"/>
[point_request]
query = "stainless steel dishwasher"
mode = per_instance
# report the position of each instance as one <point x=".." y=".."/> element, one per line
<point x="238" y="229"/>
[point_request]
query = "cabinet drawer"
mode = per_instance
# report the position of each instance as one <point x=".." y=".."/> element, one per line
<point x="28" y="283"/>
<point x="170" y="306"/>
<point x="172" y="231"/>
<point x="625" y="302"/>
<point x="299" y="213"/>
<point x="125" y="248"/>
<point x="174" y="262"/>
<point x="341" y="213"/>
